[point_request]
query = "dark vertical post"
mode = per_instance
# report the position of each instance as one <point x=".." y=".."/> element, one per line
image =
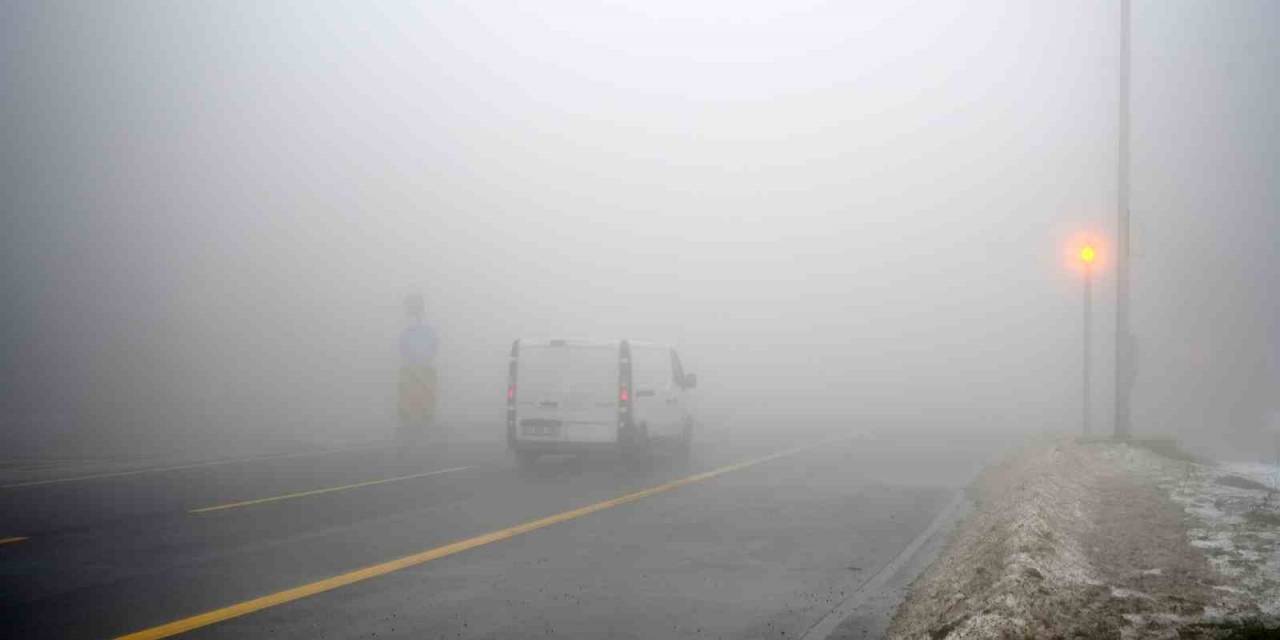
<point x="1088" y="348"/>
<point x="1124" y="341"/>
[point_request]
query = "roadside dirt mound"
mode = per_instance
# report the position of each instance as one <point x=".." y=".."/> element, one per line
<point x="1077" y="540"/>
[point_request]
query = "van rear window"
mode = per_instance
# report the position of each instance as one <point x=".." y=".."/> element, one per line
<point x="560" y="371"/>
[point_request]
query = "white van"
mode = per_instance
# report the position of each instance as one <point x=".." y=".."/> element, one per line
<point x="573" y="396"/>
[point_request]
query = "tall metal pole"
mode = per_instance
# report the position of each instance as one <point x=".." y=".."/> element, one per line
<point x="1124" y="341"/>
<point x="1088" y="347"/>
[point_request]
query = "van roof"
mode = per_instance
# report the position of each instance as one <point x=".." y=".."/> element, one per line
<point x="584" y="342"/>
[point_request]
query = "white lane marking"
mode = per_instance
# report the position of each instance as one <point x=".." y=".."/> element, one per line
<point x="315" y="492"/>
<point x="195" y="465"/>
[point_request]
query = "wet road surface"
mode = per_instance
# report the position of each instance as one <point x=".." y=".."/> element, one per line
<point x="300" y="542"/>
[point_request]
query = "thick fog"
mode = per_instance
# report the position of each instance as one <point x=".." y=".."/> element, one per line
<point x="839" y="213"/>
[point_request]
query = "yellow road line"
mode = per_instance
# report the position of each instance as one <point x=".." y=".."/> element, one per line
<point x="12" y="540"/>
<point x="194" y="465"/>
<point x="360" y="575"/>
<point x="300" y="494"/>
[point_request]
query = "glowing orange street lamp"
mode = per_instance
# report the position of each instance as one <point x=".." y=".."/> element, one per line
<point x="1087" y="256"/>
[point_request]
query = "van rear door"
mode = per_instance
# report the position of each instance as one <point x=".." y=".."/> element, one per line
<point x="657" y="398"/>
<point x="567" y="392"/>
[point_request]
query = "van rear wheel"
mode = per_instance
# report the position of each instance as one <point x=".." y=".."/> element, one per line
<point x="636" y="447"/>
<point x="684" y="446"/>
<point x="526" y="459"/>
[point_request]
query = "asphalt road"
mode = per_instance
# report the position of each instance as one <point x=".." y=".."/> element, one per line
<point x="765" y="549"/>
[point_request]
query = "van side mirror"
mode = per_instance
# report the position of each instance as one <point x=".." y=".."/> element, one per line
<point x="690" y="380"/>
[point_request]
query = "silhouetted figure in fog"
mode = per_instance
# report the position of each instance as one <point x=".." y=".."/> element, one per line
<point x="417" y="401"/>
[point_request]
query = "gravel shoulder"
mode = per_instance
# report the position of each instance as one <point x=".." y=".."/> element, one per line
<point x="1071" y="539"/>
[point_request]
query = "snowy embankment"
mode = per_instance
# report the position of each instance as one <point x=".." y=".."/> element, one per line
<point x="1106" y="540"/>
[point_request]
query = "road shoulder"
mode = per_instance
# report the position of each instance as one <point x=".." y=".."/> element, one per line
<point x="1095" y="540"/>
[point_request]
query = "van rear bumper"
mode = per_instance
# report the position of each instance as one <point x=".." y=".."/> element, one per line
<point x="546" y="446"/>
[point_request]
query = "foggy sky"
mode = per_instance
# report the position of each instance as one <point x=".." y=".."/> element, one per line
<point x="836" y="211"/>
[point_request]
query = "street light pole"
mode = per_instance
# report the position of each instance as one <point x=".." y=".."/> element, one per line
<point x="1124" y="335"/>
<point x="1087" y="255"/>
<point x="1088" y="349"/>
